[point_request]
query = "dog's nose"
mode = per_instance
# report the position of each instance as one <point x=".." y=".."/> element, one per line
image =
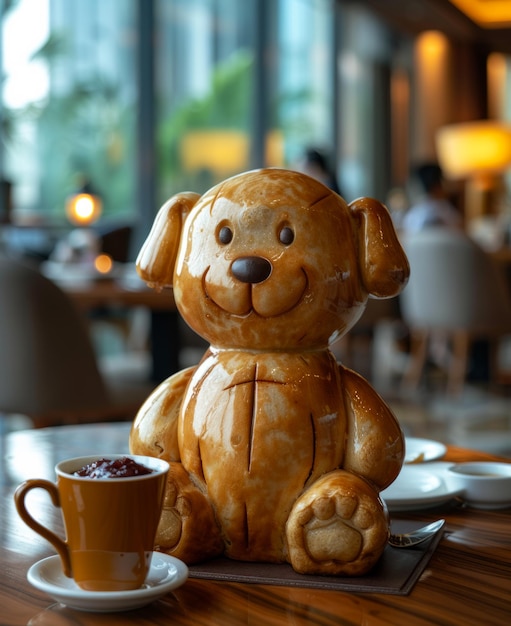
<point x="251" y="269"/>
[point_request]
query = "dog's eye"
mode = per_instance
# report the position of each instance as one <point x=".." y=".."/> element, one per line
<point x="225" y="235"/>
<point x="286" y="236"/>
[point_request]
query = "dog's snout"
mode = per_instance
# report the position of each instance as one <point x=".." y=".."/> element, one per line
<point x="251" y="269"/>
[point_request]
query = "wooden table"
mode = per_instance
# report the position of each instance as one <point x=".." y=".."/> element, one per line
<point x="113" y="293"/>
<point x="467" y="581"/>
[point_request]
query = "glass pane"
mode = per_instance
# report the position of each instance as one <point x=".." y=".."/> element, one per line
<point x="303" y="104"/>
<point x="69" y="104"/>
<point x="205" y="60"/>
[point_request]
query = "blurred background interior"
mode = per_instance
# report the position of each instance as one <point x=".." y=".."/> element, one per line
<point x="107" y="108"/>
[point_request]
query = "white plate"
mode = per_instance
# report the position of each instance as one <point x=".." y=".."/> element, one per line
<point x="423" y="450"/>
<point x="421" y="486"/>
<point x="166" y="573"/>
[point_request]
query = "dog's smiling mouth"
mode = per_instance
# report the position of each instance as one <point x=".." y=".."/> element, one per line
<point x="265" y="298"/>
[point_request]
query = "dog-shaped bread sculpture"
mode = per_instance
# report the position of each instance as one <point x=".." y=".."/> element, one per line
<point x="277" y="452"/>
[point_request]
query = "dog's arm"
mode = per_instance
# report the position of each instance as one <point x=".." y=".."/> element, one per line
<point x="154" y="430"/>
<point x="374" y="441"/>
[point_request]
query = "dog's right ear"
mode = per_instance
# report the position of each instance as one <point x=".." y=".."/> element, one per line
<point x="384" y="267"/>
<point x="157" y="257"/>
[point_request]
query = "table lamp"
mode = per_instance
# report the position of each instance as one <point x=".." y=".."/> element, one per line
<point x="84" y="207"/>
<point x="82" y="244"/>
<point x="479" y="152"/>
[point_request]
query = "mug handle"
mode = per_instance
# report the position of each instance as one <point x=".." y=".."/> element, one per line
<point x="19" y="499"/>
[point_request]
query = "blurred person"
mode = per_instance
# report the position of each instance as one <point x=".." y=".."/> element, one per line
<point x="432" y="207"/>
<point x="316" y="164"/>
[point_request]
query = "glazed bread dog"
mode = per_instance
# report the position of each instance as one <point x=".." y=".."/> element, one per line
<point x="277" y="452"/>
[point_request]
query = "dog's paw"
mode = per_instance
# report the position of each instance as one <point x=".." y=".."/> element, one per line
<point x="339" y="526"/>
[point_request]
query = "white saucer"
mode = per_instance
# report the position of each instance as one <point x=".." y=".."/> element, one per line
<point x="420" y="486"/>
<point x="166" y="573"/>
<point x="423" y="450"/>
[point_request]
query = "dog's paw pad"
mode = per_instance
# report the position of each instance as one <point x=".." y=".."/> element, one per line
<point x="341" y="535"/>
<point x="336" y="528"/>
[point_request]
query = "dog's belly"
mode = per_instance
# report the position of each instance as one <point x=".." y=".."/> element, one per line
<point x="259" y="429"/>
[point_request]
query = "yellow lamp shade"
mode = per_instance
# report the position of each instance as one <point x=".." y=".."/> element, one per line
<point x="83" y="209"/>
<point x="474" y="149"/>
<point x="224" y="152"/>
<point x="219" y="151"/>
<point x="487" y="13"/>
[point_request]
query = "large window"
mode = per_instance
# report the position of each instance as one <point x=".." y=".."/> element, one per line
<point x="231" y="73"/>
<point x="235" y="85"/>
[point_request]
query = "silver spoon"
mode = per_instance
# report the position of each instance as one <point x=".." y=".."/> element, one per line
<point x="407" y="540"/>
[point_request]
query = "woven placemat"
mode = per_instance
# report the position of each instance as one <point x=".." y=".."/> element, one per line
<point x="396" y="572"/>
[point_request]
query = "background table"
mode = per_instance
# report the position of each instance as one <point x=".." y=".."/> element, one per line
<point x="108" y="293"/>
<point x="467" y="581"/>
<point x="124" y="290"/>
<point x="165" y="339"/>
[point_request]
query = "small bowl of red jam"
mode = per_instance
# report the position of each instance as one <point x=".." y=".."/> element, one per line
<point x="122" y="467"/>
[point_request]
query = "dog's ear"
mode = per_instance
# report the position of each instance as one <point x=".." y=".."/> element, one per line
<point x="384" y="267"/>
<point x="157" y="257"/>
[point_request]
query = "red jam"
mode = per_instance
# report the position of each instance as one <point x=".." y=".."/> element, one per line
<point x="120" y="468"/>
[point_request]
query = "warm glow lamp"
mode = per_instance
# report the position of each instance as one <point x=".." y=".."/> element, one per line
<point x="83" y="208"/>
<point x="479" y="152"/>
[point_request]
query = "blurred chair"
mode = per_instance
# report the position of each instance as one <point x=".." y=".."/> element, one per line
<point x="48" y="366"/>
<point x="370" y="347"/>
<point x="455" y="293"/>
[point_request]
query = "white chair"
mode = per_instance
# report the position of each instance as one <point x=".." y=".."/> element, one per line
<point x="48" y="366"/>
<point x="455" y="292"/>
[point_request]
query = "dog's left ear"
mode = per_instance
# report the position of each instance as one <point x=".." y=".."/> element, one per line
<point x="384" y="267"/>
<point x="157" y="258"/>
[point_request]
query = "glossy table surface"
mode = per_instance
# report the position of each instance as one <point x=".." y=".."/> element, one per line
<point x="467" y="581"/>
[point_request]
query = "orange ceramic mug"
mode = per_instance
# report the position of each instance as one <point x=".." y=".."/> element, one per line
<point x="110" y="523"/>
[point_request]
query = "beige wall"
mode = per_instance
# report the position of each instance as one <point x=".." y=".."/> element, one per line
<point x="449" y="86"/>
